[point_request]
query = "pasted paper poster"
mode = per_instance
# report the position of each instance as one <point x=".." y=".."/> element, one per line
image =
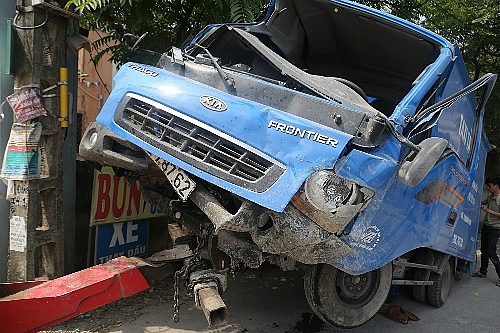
<point x="26" y="104"/>
<point x="17" y="234"/>
<point x="22" y="155"/>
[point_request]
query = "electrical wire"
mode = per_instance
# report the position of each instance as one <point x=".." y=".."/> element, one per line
<point x="98" y="99"/>
<point x="2" y="115"/>
<point x="85" y="91"/>
<point x="97" y="72"/>
<point x="29" y="28"/>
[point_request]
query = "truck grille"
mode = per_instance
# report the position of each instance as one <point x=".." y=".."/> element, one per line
<point x="197" y="144"/>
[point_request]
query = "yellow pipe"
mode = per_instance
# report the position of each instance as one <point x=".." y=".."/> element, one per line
<point x="63" y="96"/>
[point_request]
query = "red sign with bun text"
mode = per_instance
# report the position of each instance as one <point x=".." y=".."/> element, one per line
<point x="116" y="200"/>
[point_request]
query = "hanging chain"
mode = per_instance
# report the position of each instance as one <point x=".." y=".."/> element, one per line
<point x="177" y="276"/>
<point x="191" y="265"/>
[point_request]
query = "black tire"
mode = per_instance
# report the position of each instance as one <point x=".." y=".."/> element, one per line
<point x="424" y="256"/>
<point x="345" y="300"/>
<point x="438" y="293"/>
<point x="420" y="292"/>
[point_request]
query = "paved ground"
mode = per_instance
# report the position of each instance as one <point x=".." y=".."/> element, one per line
<point x="270" y="301"/>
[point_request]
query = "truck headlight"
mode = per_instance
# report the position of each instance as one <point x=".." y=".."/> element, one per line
<point x="327" y="192"/>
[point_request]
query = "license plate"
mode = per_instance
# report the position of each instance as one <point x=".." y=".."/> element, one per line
<point x="177" y="177"/>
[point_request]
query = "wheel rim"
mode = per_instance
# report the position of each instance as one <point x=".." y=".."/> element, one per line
<point x="356" y="290"/>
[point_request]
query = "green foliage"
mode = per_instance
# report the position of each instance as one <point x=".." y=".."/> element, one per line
<point x="240" y="11"/>
<point x="81" y="5"/>
<point x="168" y="22"/>
<point x="474" y="26"/>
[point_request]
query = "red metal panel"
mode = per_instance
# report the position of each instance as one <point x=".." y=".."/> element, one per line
<point x="7" y="289"/>
<point x="56" y="301"/>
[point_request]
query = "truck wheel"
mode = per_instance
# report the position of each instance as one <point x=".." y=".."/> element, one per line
<point x="440" y="290"/>
<point x="420" y="292"/>
<point x="345" y="300"/>
<point x="424" y="256"/>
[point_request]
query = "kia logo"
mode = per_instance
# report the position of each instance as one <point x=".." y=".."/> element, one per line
<point x="213" y="103"/>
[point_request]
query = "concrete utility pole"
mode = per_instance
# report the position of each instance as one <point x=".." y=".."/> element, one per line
<point x="41" y="33"/>
<point x="6" y="86"/>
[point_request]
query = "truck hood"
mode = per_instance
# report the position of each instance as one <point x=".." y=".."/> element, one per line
<point x="254" y="150"/>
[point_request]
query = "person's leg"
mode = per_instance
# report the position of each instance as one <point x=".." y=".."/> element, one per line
<point x="484" y="252"/>
<point x="492" y="248"/>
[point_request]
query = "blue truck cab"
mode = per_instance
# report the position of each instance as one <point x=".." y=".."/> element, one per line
<point x="328" y="137"/>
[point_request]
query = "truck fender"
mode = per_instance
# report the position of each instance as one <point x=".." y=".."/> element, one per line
<point x="440" y="260"/>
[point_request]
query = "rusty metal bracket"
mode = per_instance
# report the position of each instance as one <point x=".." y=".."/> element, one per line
<point x="207" y="287"/>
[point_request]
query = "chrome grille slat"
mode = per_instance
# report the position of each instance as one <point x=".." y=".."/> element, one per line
<point x="230" y="151"/>
<point x="216" y="153"/>
<point x="242" y="173"/>
<point x="255" y="164"/>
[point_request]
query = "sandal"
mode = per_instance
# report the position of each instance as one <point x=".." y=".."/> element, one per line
<point x="479" y="275"/>
<point x="398" y="313"/>
<point x="395" y="314"/>
<point x="412" y="316"/>
<point x="498" y="283"/>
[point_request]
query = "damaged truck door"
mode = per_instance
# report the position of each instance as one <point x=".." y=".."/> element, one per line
<point x="328" y="137"/>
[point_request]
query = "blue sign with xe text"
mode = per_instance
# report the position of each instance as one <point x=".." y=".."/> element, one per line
<point x="129" y="239"/>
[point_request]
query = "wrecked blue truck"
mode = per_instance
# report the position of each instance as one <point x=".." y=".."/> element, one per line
<point x="328" y="137"/>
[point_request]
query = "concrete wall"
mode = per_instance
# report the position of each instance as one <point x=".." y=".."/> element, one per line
<point x="6" y="87"/>
<point x="95" y="83"/>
